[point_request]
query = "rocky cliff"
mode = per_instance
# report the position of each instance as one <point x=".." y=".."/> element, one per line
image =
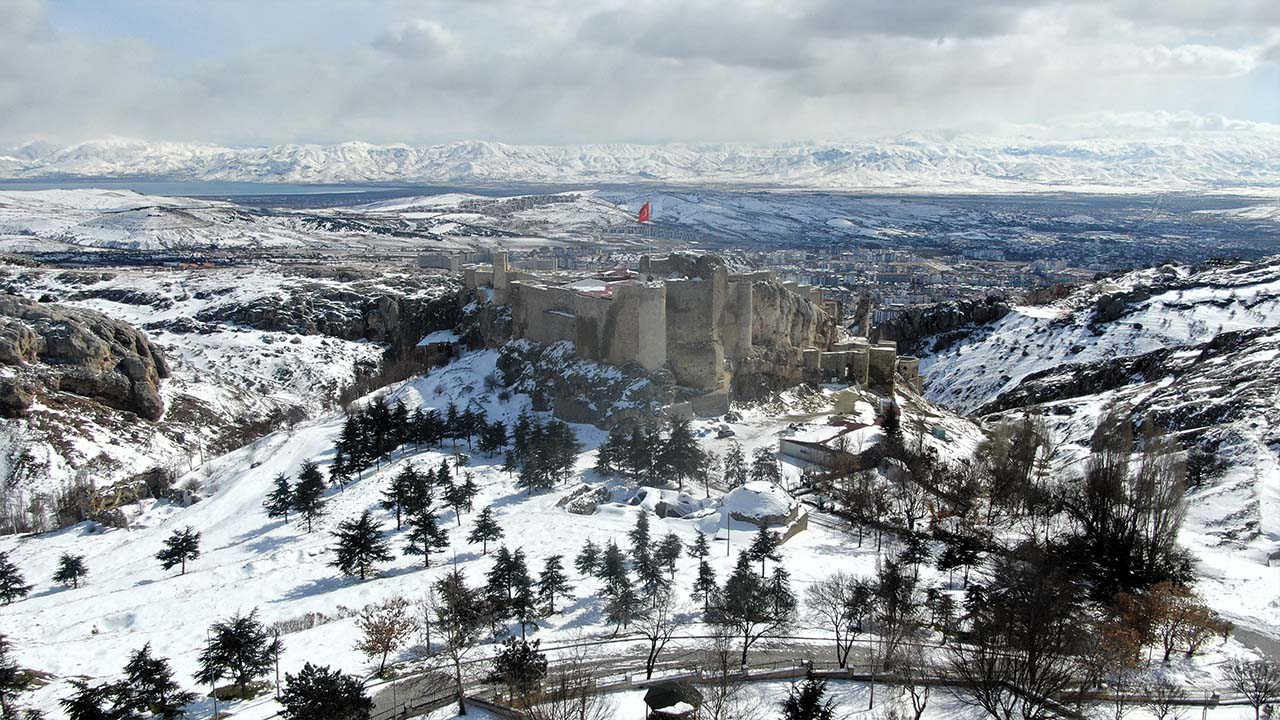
<point x="782" y="325"/>
<point x="935" y="327"/>
<point x="49" y="349"/>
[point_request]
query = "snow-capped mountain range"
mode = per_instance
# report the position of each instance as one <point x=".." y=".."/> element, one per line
<point x="1199" y="161"/>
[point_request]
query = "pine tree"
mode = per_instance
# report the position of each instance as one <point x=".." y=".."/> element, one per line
<point x="183" y="545"/>
<point x="806" y="701"/>
<point x="71" y="570"/>
<point x="782" y="601"/>
<point x="520" y="666"/>
<point x="735" y="467"/>
<point x="669" y="551"/>
<point x="280" y="500"/>
<point x="13" y="681"/>
<point x="455" y="495"/>
<point x="680" y="456"/>
<point x="239" y="649"/>
<point x="360" y="546"/>
<point x="12" y="585"/>
<point x="622" y="607"/>
<point x="611" y="455"/>
<point x="638" y="460"/>
<point x="108" y="701"/>
<point x="318" y="692"/>
<point x="553" y="583"/>
<point x="587" y="561"/>
<point x="398" y="494"/>
<point x="612" y="568"/>
<point x="764" y="467"/>
<point x="151" y="685"/>
<point x="494" y="438"/>
<point x="425" y="535"/>
<point x="639" y="535"/>
<point x="485" y="531"/>
<point x="764" y="546"/>
<point x="467" y="491"/>
<point x="704" y="586"/>
<point x="308" y="494"/>
<point x="498" y="585"/>
<point x="524" y="605"/>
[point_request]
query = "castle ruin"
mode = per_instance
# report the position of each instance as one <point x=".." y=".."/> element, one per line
<point x="719" y="334"/>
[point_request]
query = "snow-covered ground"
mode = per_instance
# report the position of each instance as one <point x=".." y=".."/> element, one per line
<point x="249" y="561"/>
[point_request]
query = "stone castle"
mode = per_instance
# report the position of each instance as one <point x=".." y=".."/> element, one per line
<point x="719" y="334"/>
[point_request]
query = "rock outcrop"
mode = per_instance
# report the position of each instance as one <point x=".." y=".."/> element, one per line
<point x="940" y="325"/>
<point x="53" y="348"/>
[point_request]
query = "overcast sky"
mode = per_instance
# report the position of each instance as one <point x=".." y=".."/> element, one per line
<point x="251" y="72"/>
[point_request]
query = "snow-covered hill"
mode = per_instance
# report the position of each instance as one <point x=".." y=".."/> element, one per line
<point x="932" y="163"/>
<point x="249" y="561"/>
<point x="1196" y="349"/>
<point x="248" y="350"/>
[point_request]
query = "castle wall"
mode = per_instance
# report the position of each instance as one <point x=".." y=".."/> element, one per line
<point x="638" y="326"/>
<point x="909" y="370"/>
<point x="501" y="283"/>
<point x="882" y="367"/>
<point x="695" y="350"/>
<point x="860" y="365"/>
<point x="736" y="323"/>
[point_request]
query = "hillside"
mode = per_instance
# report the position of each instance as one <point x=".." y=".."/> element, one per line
<point x="250" y="561"/>
<point x="911" y="162"/>
<point x="1195" y="349"/>
<point x="246" y="351"/>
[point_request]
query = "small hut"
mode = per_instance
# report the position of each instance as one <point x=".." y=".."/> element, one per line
<point x="672" y="701"/>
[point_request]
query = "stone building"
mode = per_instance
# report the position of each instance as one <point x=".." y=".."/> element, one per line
<point x="717" y="333"/>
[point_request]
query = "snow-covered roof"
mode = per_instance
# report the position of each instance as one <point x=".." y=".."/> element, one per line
<point x="439" y="336"/>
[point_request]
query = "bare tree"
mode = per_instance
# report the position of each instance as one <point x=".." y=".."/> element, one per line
<point x="912" y="668"/>
<point x="1024" y="646"/>
<point x="569" y="692"/>
<point x="723" y="684"/>
<point x="1257" y="680"/>
<point x="840" y="602"/>
<point x="384" y="629"/>
<point x="1163" y="700"/>
<point x="663" y="618"/>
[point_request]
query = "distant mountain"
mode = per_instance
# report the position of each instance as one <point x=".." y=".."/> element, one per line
<point x="912" y="162"/>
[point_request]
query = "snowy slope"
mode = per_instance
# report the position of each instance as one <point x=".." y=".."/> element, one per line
<point x="1196" y="350"/>
<point x="934" y="163"/>
<point x="252" y="562"/>
<point x="227" y="374"/>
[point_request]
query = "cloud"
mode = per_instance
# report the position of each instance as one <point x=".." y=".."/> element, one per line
<point x="556" y="71"/>
<point x="417" y="39"/>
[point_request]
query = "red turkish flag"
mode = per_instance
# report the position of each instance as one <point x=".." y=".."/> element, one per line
<point x="644" y="213"/>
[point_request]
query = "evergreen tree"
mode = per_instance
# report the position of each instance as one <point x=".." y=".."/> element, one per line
<point x="494" y="438"/>
<point x="612" y="568"/>
<point x="680" y="456"/>
<point x="455" y="496"/>
<point x="13" y="682"/>
<point x="610" y="457"/>
<point x="523" y="601"/>
<point x="108" y="701"/>
<point x="352" y="443"/>
<point x="764" y="546"/>
<point x="151" y="685"/>
<point x="668" y="552"/>
<point x="704" y="585"/>
<point x="622" y="607"/>
<point x="520" y="666"/>
<point x="239" y="649"/>
<point x="745" y="606"/>
<point x="638" y="460"/>
<point x="360" y="546"/>
<point x="71" y="570"/>
<point x="806" y="701"/>
<point x="398" y="494"/>
<point x="318" y="692"/>
<point x="12" y="584"/>
<point x="553" y="583"/>
<point x="764" y="467"/>
<point x="467" y="491"/>
<point x="339" y="474"/>
<point x="639" y="535"/>
<point x="280" y="500"/>
<point x="735" y="467"/>
<point x="183" y="545"/>
<point x="587" y="562"/>
<point x="782" y="601"/>
<point x="308" y="494"/>
<point x="485" y="531"/>
<point x="425" y="535"/>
